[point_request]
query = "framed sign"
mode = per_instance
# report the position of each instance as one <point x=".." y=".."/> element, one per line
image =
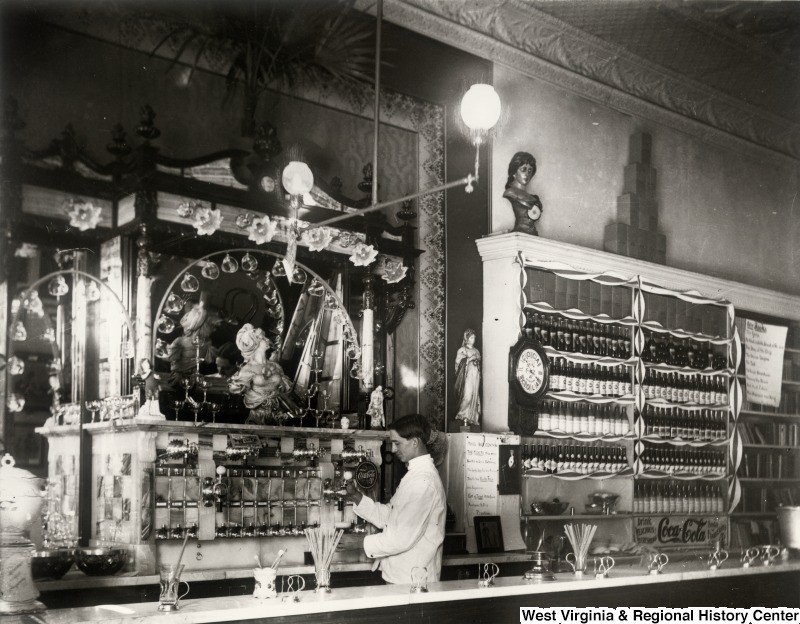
<point x="680" y="531"/>
<point x="488" y="534"/>
<point x="508" y="460"/>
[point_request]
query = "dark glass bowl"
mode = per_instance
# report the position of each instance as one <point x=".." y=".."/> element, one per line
<point x="100" y="561"/>
<point x="52" y="564"/>
<point x="548" y="508"/>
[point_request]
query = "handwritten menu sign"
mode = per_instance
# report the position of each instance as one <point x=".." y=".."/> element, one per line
<point x="676" y="531"/>
<point x="482" y="452"/>
<point x="763" y="362"/>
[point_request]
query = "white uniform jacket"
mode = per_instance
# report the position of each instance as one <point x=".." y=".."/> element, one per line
<point x="412" y="524"/>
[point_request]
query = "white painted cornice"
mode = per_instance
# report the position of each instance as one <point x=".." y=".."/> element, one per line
<point x="742" y="296"/>
<point x="517" y="35"/>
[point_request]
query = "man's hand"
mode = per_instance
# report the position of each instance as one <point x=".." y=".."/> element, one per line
<point x="354" y="494"/>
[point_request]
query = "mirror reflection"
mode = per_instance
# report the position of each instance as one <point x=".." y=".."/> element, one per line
<point x="237" y="340"/>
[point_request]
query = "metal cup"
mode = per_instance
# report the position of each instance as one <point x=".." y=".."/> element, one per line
<point x="170" y="580"/>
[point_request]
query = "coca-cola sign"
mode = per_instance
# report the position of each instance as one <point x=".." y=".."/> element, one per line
<point x="677" y="531"/>
<point x="366" y="475"/>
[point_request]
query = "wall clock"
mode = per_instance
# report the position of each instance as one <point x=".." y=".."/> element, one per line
<point x="528" y="379"/>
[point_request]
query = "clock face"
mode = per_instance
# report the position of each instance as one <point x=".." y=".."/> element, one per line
<point x="530" y="371"/>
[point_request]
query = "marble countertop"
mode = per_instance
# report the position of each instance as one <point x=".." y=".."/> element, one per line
<point x="243" y="608"/>
<point x="78" y="580"/>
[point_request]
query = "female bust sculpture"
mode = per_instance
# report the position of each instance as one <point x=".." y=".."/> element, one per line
<point x="527" y="208"/>
<point x="468" y="380"/>
<point x="260" y="380"/>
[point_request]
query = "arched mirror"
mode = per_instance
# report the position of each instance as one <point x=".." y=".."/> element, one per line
<point x="242" y="336"/>
<point x="70" y="347"/>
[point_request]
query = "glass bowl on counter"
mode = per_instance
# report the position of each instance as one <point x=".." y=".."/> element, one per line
<point x="51" y="564"/>
<point x="101" y="561"/>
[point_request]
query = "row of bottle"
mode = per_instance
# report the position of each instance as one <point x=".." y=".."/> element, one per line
<point x="588" y="418"/>
<point x="677" y="388"/>
<point x="662" y="348"/>
<point x="591" y="338"/>
<point x="573" y="458"/>
<point x="679" y="498"/>
<point x="673" y="422"/>
<point x="694" y="461"/>
<point x="589" y="378"/>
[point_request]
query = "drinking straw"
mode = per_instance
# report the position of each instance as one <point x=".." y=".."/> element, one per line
<point x="180" y="556"/>
<point x="580" y="536"/>
<point x="274" y="566"/>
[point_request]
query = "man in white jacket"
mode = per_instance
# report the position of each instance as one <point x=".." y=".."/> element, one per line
<point x="412" y="523"/>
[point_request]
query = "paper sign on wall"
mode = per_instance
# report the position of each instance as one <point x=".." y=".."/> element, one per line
<point x="763" y="362"/>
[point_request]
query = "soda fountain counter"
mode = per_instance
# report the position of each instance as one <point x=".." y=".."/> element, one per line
<point x="683" y="583"/>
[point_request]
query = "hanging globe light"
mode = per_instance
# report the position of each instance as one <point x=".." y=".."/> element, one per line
<point x="297" y="178"/>
<point x="480" y="107"/>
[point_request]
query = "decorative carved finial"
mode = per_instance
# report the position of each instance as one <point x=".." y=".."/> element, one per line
<point x="266" y="143"/>
<point x="147" y="129"/>
<point x="365" y="186"/>
<point x="119" y="145"/>
<point x="11" y="118"/>
<point x="406" y="212"/>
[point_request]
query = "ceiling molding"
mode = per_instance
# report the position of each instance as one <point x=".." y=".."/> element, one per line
<point x="543" y="47"/>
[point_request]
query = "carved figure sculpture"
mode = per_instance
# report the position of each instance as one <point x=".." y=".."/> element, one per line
<point x="527" y="207"/>
<point x="468" y="380"/>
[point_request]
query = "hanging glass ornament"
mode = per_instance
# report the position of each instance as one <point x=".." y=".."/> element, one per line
<point x="58" y="286"/>
<point x="316" y="288"/>
<point x="278" y="269"/>
<point x="15" y="303"/>
<point x="92" y="292"/>
<point x="15" y="365"/>
<point x="229" y="264"/>
<point x="189" y="283"/>
<point x="165" y="324"/>
<point x="352" y="351"/>
<point x="18" y="332"/>
<point x="174" y="304"/>
<point x="161" y="350"/>
<point x="355" y="371"/>
<point x="210" y="270"/>
<point x="185" y="210"/>
<point x="15" y="402"/>
<point x="299" y="276"/>
<point x="275" y="311"/>
<point x="249" y="263"/>
<point x="49" y="334"/>
<point x="330" y="301"/>
<point x="265" y="285"/>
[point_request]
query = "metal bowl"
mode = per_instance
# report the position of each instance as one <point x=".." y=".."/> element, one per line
<point x="51" y="564"/>
<point x="548" y="508"/>
<point x="100" y="561"/>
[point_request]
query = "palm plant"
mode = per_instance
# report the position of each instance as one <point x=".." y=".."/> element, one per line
<point x="269" y="43"/>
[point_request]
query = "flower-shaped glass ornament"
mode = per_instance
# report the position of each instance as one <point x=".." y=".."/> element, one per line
<point x="229" y="264"/>
<point x="393" y="272"/>
<point x="92" y="292"/>
<point x="165" y="324"/>
<point x="82" y="214"/>
<point x="243" y="220"/>
<point x="316" y="288"/>
<point x="189" y="283"/>
<point x="262" y="230"/>
<point x="363" y="254"/>
<point x="174" y="304"/>
<point x="161" y="350"/>
<point x="210" y="270"/>
<point x="58" y="286"/>
<point x="15" y="402"/>
<point x="249" y="263"/>
<point x="185" y="210"/>
<point x="317" y="239"/>
<point x="278" y="270"/>
<point x="206" y="221"/>
<point x="49" y="334"/>
<point x="33" y="304"/>
<point x="16" y="366"/>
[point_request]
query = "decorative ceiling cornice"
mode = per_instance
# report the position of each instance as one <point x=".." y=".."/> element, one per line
<point x="514" y="34"/>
